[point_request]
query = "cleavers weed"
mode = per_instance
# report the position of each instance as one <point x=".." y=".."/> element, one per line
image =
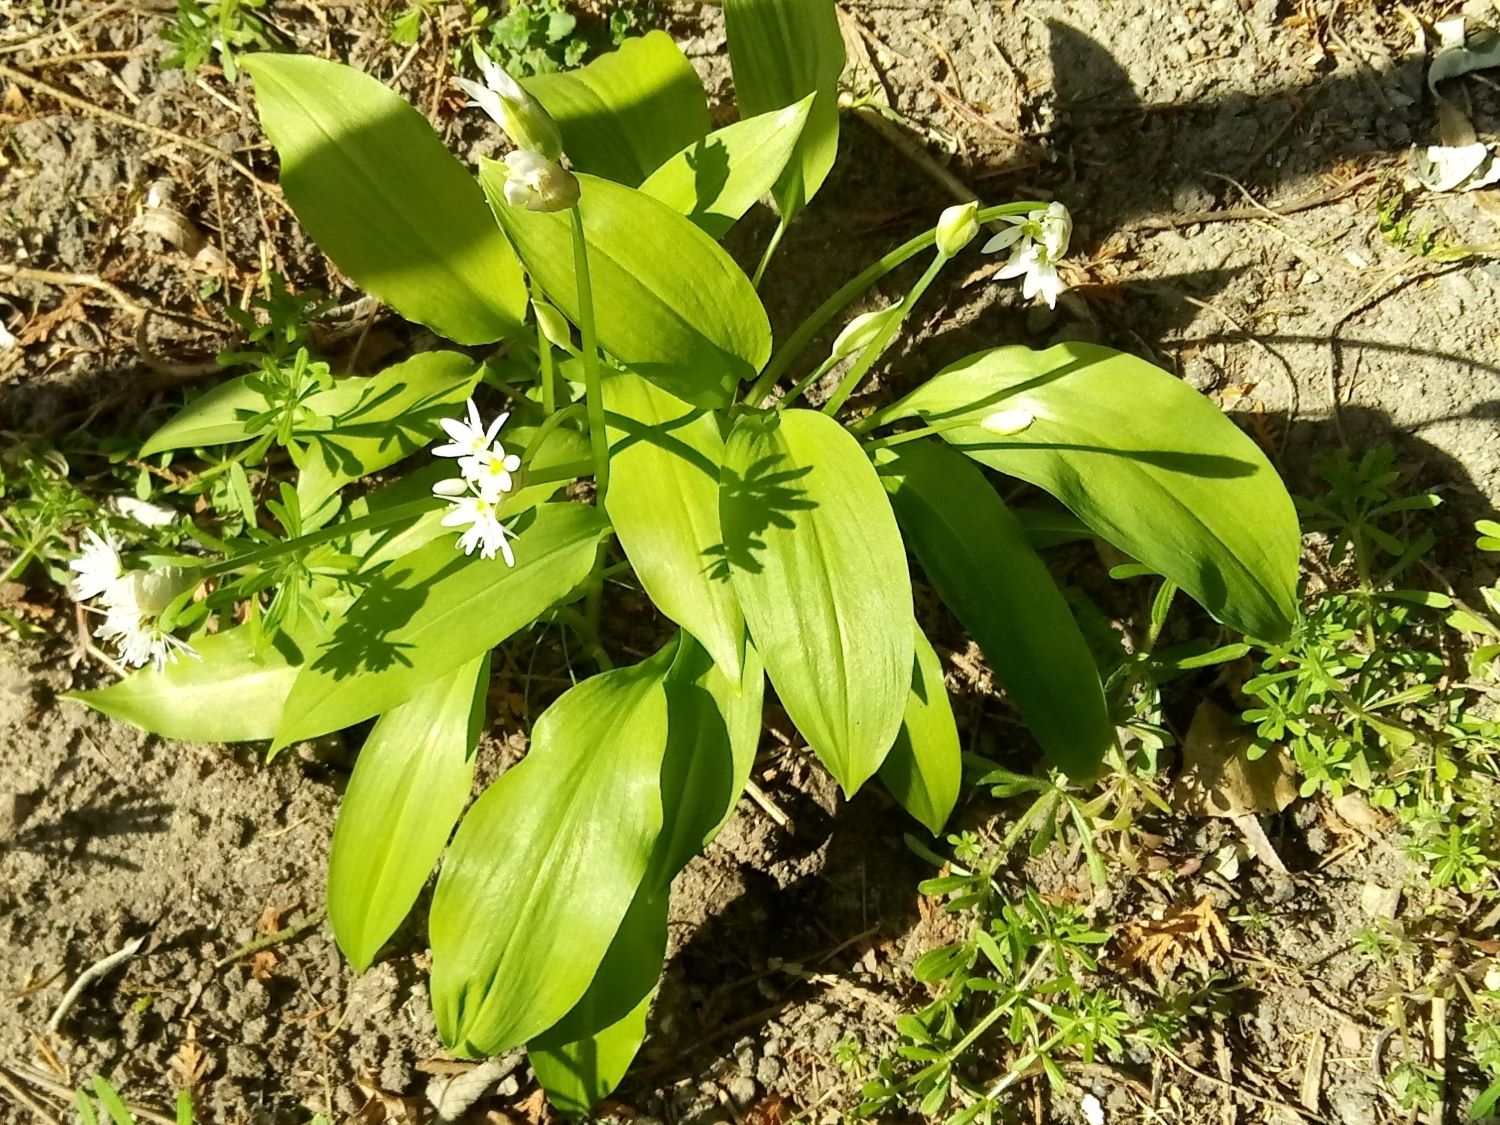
<point x="762" y="514"/>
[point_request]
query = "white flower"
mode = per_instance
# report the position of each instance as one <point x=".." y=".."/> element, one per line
<point x="490" y="472"/>
<point x="132" y="611"/>
<point x="1037" y="241"/>
<point x="144" y="512"/>
<point x="536" y="183"/>
<point x="956" y="228"/>
<point x="98" y="568"/>
<point x="469" y="438"/>
<point x="513" y="109"/>
<point x="480" y="518"/>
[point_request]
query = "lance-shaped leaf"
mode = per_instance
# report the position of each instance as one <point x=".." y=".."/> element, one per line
<point x="713" y="729"/>
<point x="717" y="178"/>
<point x="817" y="561"/>
<point x="409" y="785"/>
<point x="234" y="693"/>
<point x="626" y="112"/>
<point x="546" y="863"/>
<point x="924" y="768"/>
<point x="359" y="425"/>
<point x="383" y="198"/>
<point x="432" y="611"/>
<point x="977" y="557"/>
<point x="669" y="302"/>
<point x="664" y="504"/>
<point x="1143" y="459"/>
<point x="781" y="51"/>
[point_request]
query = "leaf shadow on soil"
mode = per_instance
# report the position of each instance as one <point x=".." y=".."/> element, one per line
<point x="108" y="813"/>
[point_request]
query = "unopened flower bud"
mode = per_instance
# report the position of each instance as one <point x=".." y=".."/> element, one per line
<point x="1006" y="422"/>
<point x="956" y="228"/>
<point x="860" y="331"/>
<point x="553" y="324"/>
<point x="538" y="184"/>
<point x="522" y="117"/>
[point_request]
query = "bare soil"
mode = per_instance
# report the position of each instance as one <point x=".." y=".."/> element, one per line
<point x="1223" y="160"/>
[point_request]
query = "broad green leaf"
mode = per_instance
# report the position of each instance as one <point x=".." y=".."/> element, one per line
<point x="410" y="783"/>
<point x="924" y="768"/>
<point x="715" y="180"/>
<point x="579" y="1074"/>
<point x="361" y="422"/>
<point x="546" y="863"/>
<point x="713" y="728"/>
<point x="670" y="303"/>
<point x="781" y="51"/>
<point x="582" y="1057"/>
<point x="817" y="561"/>
<point x="977" y="558"/>
<point x="628" y="111"/>
<point x="1143" y="459"/>
<point x="383" y="198"/>
<point x="664" y="504"/>
<point x="232" y="694"/>
<point x="435" y="610"/>
<point x="391" y="416"/>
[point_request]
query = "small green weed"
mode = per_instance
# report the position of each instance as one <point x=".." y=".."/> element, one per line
<point x="102" y="1097"/>
<point x="527" y="36"/>
<point x="1012" y="997"/>
<point x="1395" y="220"/>
<point x="216" y="29"/>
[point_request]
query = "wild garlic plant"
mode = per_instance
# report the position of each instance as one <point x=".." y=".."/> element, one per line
<point x="769" y="517"/>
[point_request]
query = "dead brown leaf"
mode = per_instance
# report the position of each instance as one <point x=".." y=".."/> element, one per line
<point x="1218" y="778"/>
<point x="773" y="1109"/>
<point x="1194" y="936"/>
<point x="189" y="1063"/>
<point x="262" y="964"/>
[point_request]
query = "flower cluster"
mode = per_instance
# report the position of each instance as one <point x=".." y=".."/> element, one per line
<point x="535" y="178"/>
<point x="132" y="602"/>
<point x="1037" y="241"/>
<point x="486" y="477"/>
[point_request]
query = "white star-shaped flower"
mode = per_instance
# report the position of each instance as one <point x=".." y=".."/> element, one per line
<point x="491" y="472"/>
<point x="468" y="438"/>
<point x="1037" y="241"/>
<point x="132" y="611"/>
<point x="479" y="516"/>
<point x="97" y="569"/>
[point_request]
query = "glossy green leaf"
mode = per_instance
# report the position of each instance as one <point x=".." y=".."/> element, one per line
<point x="231" y="694"/>
<point x="670" y="303"/>
<point x="389" y="417"/>
<point x="817" y="561"/>
<point x="976" y="556"/>
<point x="713" y="729"/>
<point x="781" y="51"/>
<point x="626" y="112"/>
<point x="546" y="863"/>
<point x="664" y="504"/>
<point x="410" y="783"/>
<point x="716" y="179"/>
<point x="925" y="766"/>
<point x="582" y="1058"/>
<point x="383" y="198"/>
<point x="1143" y="459"/>
<point x="433" y="611"/>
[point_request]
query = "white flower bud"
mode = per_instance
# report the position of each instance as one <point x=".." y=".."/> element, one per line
<point x="1006" y="422"/>
<point x="956" y="228"/>
<point x="860" y="331"/>
<point x="538" y="184"/>
<point x="522" y="117"/>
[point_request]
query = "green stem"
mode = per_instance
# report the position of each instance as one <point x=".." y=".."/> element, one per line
<point x="771" y="247"/>
<point x="807" y="380"/>
<point x="593" y="380"/>
<point x="909" y="435"/>
<point x="797" y="342"/>
<point x="544" y="354"/>
<point x="876" y="347"/>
